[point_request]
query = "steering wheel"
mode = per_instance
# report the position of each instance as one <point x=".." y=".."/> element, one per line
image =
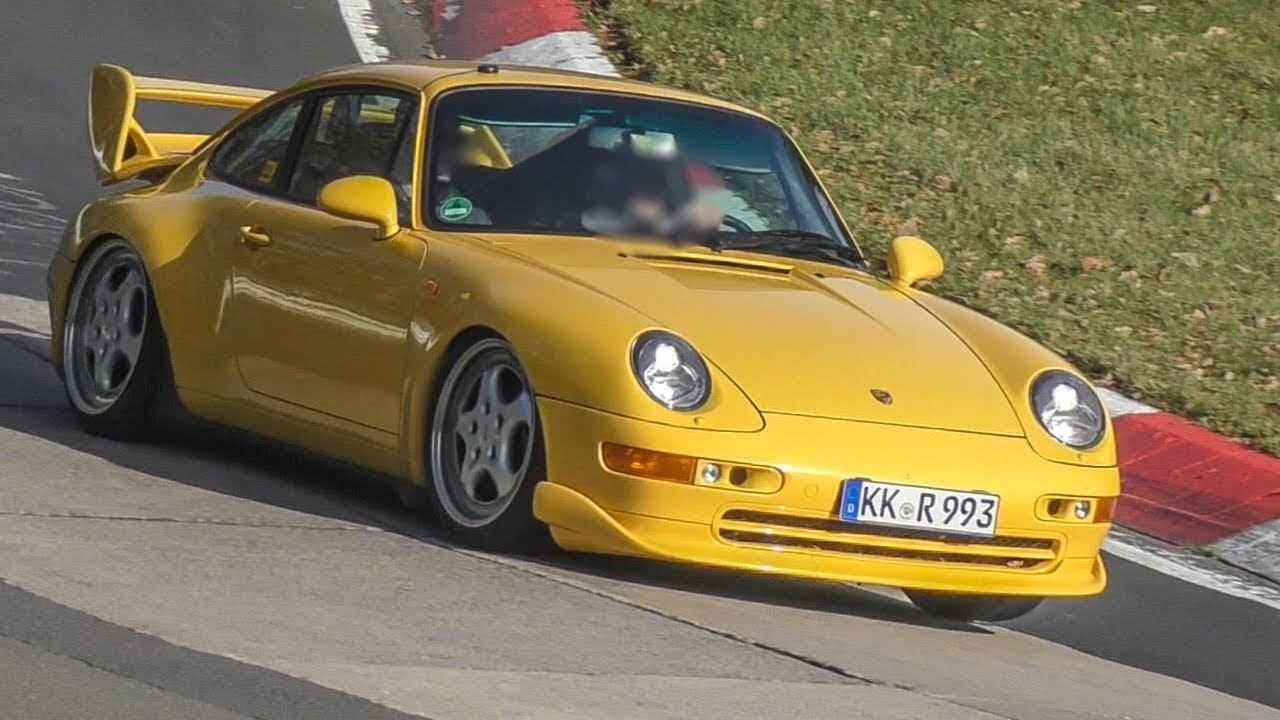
<point x="735" y="224"/>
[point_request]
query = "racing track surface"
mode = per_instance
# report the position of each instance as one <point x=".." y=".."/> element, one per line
<point x="210" y="577"/>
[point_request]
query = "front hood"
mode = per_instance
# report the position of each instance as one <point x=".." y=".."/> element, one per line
<point x="798" y="337"/>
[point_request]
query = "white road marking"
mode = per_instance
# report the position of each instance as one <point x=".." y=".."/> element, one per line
<point x="23" y="210"/>
<point x="888" y="591"/>
<point x="30" y="315"/>
<point x="25" y="322"/>
<point x="1177" y="565"/>
<point x="1118" y="404"/>
<point x="362" y="26"/>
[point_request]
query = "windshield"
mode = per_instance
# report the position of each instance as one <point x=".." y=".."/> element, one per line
<point x="543" y="160"/>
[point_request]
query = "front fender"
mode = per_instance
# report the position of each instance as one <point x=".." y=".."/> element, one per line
<point x="573" y="341"/>
<point x="1015" y="361"/>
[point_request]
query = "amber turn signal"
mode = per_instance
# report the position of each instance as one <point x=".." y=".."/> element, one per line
<point x="648" y="463"/>
<point x="1104" y="510"/>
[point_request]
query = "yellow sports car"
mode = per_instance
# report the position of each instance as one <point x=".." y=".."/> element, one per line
<point x="570" y="307"/>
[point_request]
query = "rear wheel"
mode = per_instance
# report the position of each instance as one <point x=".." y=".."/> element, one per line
<point x="486" y="451"/>
<point x="112" y="350"/>
<point x="971" y="608"/>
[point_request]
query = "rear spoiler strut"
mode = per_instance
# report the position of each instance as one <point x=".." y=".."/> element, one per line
<point x="121" y="148"/>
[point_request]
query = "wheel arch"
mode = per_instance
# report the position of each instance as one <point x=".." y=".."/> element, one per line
<point x="185" y="277"/>
<point x="82" y="249"/>
<point x="558" y="361"/>
<point x="129" y="413"/>
<point x="424" y="391"/>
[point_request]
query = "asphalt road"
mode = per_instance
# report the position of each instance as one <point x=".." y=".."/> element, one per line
<point x="210" y="577"/>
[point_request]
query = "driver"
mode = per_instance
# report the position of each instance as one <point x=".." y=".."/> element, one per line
<point x="642" y="202"/>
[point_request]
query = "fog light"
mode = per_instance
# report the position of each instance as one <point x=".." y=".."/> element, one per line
<point x="710" y="473"/>
<point x="1082" y="509"/>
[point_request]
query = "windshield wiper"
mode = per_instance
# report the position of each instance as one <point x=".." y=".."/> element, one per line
<point x="789" y="243"/>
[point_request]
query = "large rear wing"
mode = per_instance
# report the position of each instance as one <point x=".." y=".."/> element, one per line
<point x="121" y="148"/>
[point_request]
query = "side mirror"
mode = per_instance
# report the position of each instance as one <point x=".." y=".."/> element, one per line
<point x="912" y="260"/>
<point x="365" y="198"/>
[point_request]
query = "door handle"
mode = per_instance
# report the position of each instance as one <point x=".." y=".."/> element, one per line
<point x="254" y="236"/>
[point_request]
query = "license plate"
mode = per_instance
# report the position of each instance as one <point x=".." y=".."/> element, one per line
<point x="910" y="506"/>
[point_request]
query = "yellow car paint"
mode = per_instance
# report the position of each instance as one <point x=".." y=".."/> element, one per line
<point x="590" y="508"/>
<point x="912" y="260"/>
<point x="337" y="345"/>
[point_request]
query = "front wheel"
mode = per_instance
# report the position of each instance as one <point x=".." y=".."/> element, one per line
<point x="973" y="608"/>
<point x="486" y="452"/>
<point x="112" y="350"/>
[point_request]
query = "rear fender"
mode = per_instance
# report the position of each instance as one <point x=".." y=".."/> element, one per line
<point x="185" y="280"/>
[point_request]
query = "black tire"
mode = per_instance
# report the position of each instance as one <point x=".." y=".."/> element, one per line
<point x="487" y="502"/>
<point x="973" y="608"/>
<point x="122" y="408"/>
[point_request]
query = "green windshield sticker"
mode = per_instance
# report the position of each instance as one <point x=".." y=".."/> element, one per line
<point x="455" y="208"/>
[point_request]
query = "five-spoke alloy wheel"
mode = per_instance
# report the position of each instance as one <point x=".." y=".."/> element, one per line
<point x="110" y="343"/>
<point x="486" y="450"/>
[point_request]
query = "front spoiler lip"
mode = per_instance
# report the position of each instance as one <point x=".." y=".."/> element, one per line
<point x="577" y="523"/>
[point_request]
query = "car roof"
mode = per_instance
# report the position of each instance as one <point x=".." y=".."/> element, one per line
<point x="460" y="73"/>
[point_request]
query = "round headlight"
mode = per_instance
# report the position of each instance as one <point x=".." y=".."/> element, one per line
<point x="1068" y="409"/>
<point x="670" y="370"/>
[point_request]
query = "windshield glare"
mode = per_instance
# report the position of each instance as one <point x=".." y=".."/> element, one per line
<point x="542" y="160"/>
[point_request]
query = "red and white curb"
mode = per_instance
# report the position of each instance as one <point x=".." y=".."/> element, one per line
<point x="547" y="33"/>
<point x="1189" y="486"/>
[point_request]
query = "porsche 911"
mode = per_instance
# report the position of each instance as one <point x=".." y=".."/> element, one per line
<point x="576" y="310"/>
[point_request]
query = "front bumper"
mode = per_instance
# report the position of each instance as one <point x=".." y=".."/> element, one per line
<point x="793" y="531"/>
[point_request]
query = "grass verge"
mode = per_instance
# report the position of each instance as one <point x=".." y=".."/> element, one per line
<point x="1103" y="176"/>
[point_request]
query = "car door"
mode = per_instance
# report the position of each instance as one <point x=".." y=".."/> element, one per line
<point x="320" y="309"/>
<point x="243" y="168"/>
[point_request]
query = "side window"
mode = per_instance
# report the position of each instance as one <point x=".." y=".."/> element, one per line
<point x="253" y="153"/>
<point x="350" y="134"/>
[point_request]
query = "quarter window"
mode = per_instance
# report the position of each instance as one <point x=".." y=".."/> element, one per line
<point x="253" y="154"/>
